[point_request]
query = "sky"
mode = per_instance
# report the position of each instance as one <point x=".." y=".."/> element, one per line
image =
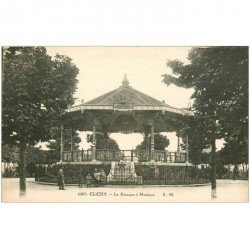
<point x="101" y="69"/>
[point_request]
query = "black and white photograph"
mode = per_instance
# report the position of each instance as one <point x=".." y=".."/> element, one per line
<point x="125" y="124"/>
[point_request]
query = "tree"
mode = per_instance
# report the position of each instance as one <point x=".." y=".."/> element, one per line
<point x="219" y="76"/>
<point x="9" y="153"/>
<point x="234" y="153"/>
<point x="34" y="156"/>
<point x="103" y="142"/>
<point x="160" y="143"/>
<point x="197" y="140"/>
<point x="36" y="91"/>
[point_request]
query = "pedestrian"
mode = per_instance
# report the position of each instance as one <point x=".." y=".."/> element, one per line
<point x="80" y="179"/>
<point x="88" y="180"/>
<point x="61" y="179"/>
<point x="103" y="177"/>
<point x="97" y="176"/>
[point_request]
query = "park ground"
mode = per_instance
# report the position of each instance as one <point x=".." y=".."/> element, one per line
<point x="227" y="191"/>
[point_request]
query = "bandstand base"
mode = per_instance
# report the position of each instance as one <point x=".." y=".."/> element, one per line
<point x="127" y="173"/>
<point x="124" y="172"/>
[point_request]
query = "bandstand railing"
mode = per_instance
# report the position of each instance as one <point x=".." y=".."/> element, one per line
<point x="77" y="155"/>
<point x="108" y="155"/>
<point x="166" y="156"/>
<point x="114" y="155"/>
<point x="160" y="156"/>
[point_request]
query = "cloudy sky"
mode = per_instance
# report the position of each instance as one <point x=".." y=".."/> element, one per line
<point x="101" y="69"/>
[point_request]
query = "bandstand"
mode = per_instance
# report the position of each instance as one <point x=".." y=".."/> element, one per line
<point x="127" y="110"/>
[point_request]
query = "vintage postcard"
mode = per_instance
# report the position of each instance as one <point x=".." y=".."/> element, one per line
<point x="125" y="124"/>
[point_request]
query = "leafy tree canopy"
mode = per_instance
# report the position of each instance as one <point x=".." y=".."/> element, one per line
<point x="160" y="143"/>
<point x="9" y="153"/>
<point x="219" y="76"/>
<point x="197" y="140"/>
<point x="103" y="142"/>
<point x="36" y="90"/>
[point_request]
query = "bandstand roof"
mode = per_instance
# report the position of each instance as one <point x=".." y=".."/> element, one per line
<point x="126" y="94"/>
<point x="125" y="109"/>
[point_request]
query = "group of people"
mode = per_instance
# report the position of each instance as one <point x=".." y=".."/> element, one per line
<point x="98" y="178"/>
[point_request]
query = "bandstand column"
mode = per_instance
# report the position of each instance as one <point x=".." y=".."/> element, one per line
<point x="72" y="139"/>
<point x="178" y="141"/>
<point x="177" y="155"/>
<point x="94" y="140"/>
<point x="61" y="145"/>
<point x="72" y="143"/>
<point x="187" y="149"/>
<point x="152" y="143"/>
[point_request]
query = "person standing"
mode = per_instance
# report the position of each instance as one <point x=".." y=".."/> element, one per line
<point x="80" y="179"/>
<point x="97" y="176"/>
<point x="103" y="177"/>
<point x="88" y="180"/>
<point x="61" y="179"/>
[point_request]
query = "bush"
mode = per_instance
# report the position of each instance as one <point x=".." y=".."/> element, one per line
<point x="71" y="172"/>
<point x="172" y="175"/>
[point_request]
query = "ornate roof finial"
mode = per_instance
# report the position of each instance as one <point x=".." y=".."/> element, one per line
<point x="125" y="81"/>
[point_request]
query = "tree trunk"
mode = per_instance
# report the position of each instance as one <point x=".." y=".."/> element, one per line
<point x="235" y="171"/>
<point x="213" y="167"/>
<point x="22" y="170"/>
